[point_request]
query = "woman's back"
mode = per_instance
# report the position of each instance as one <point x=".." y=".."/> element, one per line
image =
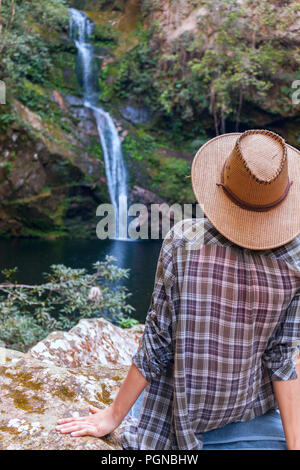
<point x="227" y="317"/>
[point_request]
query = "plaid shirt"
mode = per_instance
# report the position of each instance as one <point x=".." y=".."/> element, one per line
<point x="223" y="323"/>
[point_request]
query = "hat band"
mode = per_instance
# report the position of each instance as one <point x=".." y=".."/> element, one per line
<point x="247" y="205"/>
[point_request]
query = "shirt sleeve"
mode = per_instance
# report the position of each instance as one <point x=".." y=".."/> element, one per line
<point x="284" y="346"/>
<point x="155" y="351"/>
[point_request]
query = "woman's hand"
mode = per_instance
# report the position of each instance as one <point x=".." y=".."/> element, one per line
<point x="103" y="422"/>
<point x="98" y="424"/>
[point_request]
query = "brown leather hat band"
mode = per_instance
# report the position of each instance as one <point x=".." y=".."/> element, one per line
<point x="248" y="206"/>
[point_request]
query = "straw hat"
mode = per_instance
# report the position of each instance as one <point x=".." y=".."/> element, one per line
<point x="248" y="185"/>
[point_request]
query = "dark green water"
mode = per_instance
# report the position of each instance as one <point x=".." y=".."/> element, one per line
<point x="34" y="257"/>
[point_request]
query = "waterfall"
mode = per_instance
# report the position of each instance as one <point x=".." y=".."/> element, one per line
<point x="81" y="29"/>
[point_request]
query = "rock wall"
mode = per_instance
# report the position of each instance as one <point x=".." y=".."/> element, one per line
<point x="60" y="377"/>
<point x="51" y="181"/>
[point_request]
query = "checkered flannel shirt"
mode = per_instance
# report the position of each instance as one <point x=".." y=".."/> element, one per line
<point x="223" y="323"/>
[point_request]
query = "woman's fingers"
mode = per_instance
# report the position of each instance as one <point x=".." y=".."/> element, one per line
<point x="69" y="420"/>
<point x="87" y="425"/>
<point x="84" y="432"/>
<point x="93" y="409"/>
<point x="72" y="424"/>
<point x="75" y="427"/>
<point x="69" y="428"/>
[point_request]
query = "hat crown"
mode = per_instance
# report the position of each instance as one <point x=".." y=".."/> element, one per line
<point x="263" y="153"/>
<point x="264" y="211"/>
<point x="256" y="171"/>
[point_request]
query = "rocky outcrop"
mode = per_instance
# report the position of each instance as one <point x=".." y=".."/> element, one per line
<point x="136" y="113"/>
<point x="177" y="18"/>
<point x="94" y="341"/>
<point x="57" y="379"/>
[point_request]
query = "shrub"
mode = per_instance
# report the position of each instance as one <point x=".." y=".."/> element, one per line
<point x="28" y="313"/>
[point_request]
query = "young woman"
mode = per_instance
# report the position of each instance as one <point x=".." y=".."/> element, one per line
<point x="222" y="334"/>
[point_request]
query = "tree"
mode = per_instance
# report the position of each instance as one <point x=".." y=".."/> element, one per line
<point x="245" y="56"/>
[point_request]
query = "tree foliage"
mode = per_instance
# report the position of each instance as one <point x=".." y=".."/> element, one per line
<point x="239" y="52"/>
<point x="28" y="313"/>
<point x="247" y="55"/>
<point x="25" y="28"/>
<point x="28" y="33"/>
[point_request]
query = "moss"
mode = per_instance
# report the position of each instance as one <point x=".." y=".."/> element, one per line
<point x="60" y="212"/>
<point x="155" y="164"/>
<point x="64" y="76"/>
<point x="65" y="393"/>
<point x="21" y="401"/>
<point x="106" y="35"/>
<point x="104" y="397"/>
<point x="10" y="430"/>
<point x="25" y="379"/>
<point x="37" y="89"/>
<point x="24" y="403"/>
<point x="29" y="199"/>
<point x="95" y="149"/>
<point x="120" y="26"/>
<point x="91" y="402"/>
<point x="36" y="221"/>
<point x="117" y="378"/>
<point x="47" y="120"/>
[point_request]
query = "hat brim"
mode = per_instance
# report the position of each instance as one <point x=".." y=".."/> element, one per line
<point x="249" y="229"/>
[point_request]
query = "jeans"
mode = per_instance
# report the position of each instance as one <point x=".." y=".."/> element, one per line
<point x="264" y="432"/>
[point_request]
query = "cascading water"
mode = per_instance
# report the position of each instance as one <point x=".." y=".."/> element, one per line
<point x="81" y="29"/>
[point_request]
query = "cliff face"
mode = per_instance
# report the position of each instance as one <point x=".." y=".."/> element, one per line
<point x="52" y="174"/>
<point x="171" y="74"/>
<point x="245" y="48"/>
<point x="50" y="179"/>
<point x="178" y="72"/>
<point x="60" y="377"/>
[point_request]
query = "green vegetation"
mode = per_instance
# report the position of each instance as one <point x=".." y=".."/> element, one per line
<point x="29" y="313"/>
<point x="246" y="57"/>
<point x="25" y="52"/>
<point x="38" y="65"/>
<point x="229" y="70"/>
<point x="36" y="57"/>
<point x="128" y="322"/>
<point x="105" y="35"/>
<point x="169" y="178"/>
<point x="191" y="81"/>
<point x="135" y="72"/>
<point x="154" y="167"/>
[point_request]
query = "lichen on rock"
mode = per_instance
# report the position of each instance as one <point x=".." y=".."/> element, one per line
<point x="60" y="377"/>
<point x="91" y="341"/>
